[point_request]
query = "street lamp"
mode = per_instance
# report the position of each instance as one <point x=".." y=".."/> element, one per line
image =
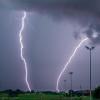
<point x="90" y="49"/>
<point x="65" y="86"/>
<point x="71" y="73"/>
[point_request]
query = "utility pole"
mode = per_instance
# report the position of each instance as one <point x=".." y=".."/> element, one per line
<point x="90" y="49"/>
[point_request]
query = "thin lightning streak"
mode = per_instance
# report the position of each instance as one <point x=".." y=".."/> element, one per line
<point x="21" y="48"/>
<point x="59" y="77"/>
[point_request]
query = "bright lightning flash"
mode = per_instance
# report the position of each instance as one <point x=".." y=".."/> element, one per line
<point x="21" y="48"/>
<point x="73" y="54"/>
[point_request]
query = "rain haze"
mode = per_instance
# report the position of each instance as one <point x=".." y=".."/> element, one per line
<point x="53" y="28"/>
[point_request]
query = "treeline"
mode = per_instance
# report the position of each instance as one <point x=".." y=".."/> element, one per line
<point x="12" y="93"/>
<point x="15" y="93"/>
<point x="96" y="92"/>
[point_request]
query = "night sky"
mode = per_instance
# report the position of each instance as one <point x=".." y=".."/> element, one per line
<point x="53" y="28"/>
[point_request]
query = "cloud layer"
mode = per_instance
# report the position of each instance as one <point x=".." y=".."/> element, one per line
<point x="85" y="5"/>
<point x="87" y="12"/>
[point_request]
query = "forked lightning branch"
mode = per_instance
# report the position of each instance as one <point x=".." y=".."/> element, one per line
<point x="70" y="59"/>
<point x="21" y="49"/>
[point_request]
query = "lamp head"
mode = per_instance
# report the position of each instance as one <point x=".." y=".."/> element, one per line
<point x="70" y="73"/>
<point x="90" y="48"/>
<point x="87" y="47"/>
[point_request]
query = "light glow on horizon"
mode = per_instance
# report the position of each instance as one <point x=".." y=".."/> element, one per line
<point x="21" y="49"/>
<point x="70" y="59"/>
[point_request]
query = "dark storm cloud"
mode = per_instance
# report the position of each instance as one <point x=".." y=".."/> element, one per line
<point x="57" y="8"/>
<point x="93" y="32"/>
<point x="88" y="5"/>
<point x="83" y="10"/>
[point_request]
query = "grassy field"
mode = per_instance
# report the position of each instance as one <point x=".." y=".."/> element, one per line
<point x="41" y="96"/>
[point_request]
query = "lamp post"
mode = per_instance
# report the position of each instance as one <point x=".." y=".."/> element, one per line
<point x="65" y="86"/>
<point x="71" y="73"/>
<point x="90" y="49"/>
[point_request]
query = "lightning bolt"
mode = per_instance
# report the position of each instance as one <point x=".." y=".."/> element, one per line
<point x="70" y="59"/>
<point x="21" y="49"/>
